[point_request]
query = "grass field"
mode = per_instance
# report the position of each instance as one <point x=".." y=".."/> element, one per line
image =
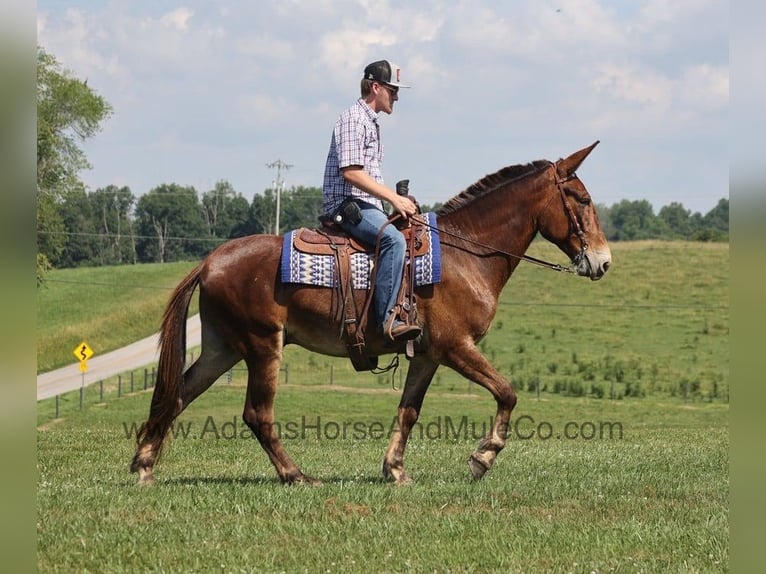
<point x="649" y="494"/>
<point x="108" y="307"/>
<point x="586" y="484"/>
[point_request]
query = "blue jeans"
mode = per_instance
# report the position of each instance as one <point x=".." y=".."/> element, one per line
<point x="388" y="278"/>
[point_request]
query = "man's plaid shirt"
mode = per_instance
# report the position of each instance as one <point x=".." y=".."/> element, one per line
<point x="355" y="141"/>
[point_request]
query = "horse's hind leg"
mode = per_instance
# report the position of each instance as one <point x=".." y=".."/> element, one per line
<point x="263" y="377"/>
<point x="419" y="376"/>
<point x="215" y="359"/>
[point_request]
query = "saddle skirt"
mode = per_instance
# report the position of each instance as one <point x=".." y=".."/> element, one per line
<point x="308" y="257"/>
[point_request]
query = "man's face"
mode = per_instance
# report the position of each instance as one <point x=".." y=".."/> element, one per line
<point x="385" y="96"/>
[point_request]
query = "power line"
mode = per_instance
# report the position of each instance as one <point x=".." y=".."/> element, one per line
<point x="128" y="236"/>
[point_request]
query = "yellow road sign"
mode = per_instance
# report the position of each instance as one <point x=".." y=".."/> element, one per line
<point x="83" y="352"/>
<point x="83" y="366"/>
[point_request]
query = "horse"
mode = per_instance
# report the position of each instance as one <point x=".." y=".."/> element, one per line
<point x="248" y="314"/>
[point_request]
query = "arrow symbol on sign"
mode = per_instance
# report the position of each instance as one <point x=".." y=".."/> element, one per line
<point x="83" y="354"/>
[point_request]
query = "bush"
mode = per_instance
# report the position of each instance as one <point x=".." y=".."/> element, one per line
<point x="597" y="390"/>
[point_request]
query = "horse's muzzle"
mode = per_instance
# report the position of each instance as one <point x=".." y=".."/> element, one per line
<point x="593" y="264"/>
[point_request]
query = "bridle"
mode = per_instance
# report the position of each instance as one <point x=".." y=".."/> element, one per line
<point x="572" y="267"/>
<point x="570" y="212"/>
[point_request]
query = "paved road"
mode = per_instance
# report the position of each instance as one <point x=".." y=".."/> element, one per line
<point x="134" y="356"/>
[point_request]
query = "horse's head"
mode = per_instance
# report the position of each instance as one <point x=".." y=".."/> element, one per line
<point x="569" y="218"/>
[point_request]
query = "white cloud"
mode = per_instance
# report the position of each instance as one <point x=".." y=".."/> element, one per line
<point x="263" y="109"/>
<point x="643" y="87"/>
<point x="492" y="81"/>
<point x="351" y="45"/>
<point x="178" y="19"/>
<point x="704" y="88"/>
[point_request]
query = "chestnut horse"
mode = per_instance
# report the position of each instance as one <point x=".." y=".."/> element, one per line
<point x="247" y="313"/>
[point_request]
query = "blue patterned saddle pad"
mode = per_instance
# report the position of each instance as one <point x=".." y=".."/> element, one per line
<point x="319" y="270"/>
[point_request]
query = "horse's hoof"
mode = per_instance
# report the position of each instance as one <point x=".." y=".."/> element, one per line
<point x="403" y="480"/>
<point x="147" y="481"/>
<point x="478" y="469"/>
<point x="145" y="477"/>
<point x="305" y="480"/>
<point x="397" y="475"/>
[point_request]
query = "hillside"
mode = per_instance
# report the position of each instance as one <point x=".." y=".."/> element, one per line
<point x="658" y="322"/>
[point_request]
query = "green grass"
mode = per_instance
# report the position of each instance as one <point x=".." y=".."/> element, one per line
<point x="653" y="335"/>
<point x="657" y="323"/>
<point x="108" y="307"/>
<point x="654" y="500"/>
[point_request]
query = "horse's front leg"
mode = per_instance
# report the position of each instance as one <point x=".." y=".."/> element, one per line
<point x="419" y="376"/>
<point x="468" y="361"/>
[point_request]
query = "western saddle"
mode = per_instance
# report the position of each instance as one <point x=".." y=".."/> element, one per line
<point x="330" y="239"/>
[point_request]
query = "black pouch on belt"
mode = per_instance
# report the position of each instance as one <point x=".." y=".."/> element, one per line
<point x="349" y="211"/>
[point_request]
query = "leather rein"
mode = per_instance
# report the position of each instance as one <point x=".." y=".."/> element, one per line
<point x="572" y="267"/>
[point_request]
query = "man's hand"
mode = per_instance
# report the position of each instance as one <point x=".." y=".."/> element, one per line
<point x="357" y="177"/>
<point x="404" y="206"/>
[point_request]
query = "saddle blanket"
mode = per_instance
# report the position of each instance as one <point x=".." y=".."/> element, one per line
<point x="319" y="270"/>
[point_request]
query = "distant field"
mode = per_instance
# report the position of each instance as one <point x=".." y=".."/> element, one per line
<point x="108" y="307"/>
<point x="586" y="484"/>
<point x="657" y="322"/>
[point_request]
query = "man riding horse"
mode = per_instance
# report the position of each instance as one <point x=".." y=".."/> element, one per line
<point x="354" y="191"/>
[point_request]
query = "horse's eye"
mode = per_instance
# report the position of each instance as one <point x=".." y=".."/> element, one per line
<point x="581" y="199"/>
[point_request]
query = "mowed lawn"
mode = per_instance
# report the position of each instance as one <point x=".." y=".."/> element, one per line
<point x="586" y="484"/>
<point x="641" y="485"/>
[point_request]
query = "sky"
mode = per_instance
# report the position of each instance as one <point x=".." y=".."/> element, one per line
<point x="212" y="90"/>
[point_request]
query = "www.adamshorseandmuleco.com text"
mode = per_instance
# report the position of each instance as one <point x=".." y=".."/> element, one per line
<point x="445" y="428"/>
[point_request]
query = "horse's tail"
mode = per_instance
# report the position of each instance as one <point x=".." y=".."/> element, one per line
<point x="166" y="398"/>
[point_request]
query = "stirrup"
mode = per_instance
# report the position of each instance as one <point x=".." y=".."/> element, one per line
<point x="401" y="331"/>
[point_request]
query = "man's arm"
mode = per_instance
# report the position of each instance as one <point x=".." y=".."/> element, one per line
<point x="356" y="176"/>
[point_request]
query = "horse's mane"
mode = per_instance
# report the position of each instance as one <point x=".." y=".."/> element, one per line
<point x="490" y="183"/>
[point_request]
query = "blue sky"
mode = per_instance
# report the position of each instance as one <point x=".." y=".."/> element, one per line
<point x="212" y="90"/>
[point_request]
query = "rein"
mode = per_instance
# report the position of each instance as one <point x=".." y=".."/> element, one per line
<point x="571" y="268"/>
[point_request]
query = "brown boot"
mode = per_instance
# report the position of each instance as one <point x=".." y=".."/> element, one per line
<point x="397" y="330"/>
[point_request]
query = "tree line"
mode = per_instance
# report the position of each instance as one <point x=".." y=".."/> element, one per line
<point x="172" y="222"/>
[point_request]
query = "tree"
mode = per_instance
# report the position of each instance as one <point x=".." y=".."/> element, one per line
<point x="262" y="211"/>
<point x="634" y="220"/>
<point x="225" y="211"/>
<point x="81" y="247"/>
<point x="68" y="112"/>
<point x="716" y="222"/>
<point x="170" y="224"/>
<point x="678" y="220"/>
<point x="51" y="233"/>
<point x="111" y="208"/>
<point x="301" y="207"/>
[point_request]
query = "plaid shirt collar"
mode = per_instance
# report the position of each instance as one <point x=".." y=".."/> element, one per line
<point x="371" y="114"/>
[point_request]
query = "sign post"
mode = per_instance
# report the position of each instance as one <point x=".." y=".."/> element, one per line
<point x="83" y="352"/>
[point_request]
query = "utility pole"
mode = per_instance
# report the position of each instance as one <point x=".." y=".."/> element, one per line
<point x="277" y="184"/>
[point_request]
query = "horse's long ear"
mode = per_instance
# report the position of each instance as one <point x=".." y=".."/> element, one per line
<point x="568" y="166"/>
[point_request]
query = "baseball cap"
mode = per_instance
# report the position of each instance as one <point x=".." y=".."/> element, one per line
<point x="384" y="72"/>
